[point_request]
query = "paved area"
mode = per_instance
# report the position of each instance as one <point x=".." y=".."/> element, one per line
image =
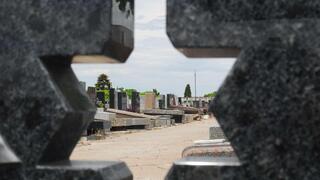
<point x="148" y="153"/>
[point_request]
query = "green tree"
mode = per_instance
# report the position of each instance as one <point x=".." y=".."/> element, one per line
<point x="187" y="91"/>
<point x="156" y="92"/>
<point x="129" y="92"/>
<point x="103" y="82"/>
<point x="211" y="95"/>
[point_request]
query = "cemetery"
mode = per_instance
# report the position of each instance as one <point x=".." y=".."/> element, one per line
<point x="267" y="108"/>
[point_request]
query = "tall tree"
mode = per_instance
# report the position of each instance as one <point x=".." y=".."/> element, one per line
<point x="103" y="82"/>
<point x="156" y="92"/>
<point x="187" y="91"/>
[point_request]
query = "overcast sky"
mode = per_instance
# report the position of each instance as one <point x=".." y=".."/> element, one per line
<point x="155" y="63"/>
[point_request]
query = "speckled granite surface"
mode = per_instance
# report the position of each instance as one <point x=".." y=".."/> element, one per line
<point x="268" y="108"/>
<point x="82" y="170"/>
<point x="268" y="105"/>
<point x="205" y="168"/>
<point x="221" y="28"/>
<point x="43" y="110"/>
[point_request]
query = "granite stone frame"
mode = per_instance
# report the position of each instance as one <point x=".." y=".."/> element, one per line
<point x="43" y="110"/>
<point x="268" y="106"/>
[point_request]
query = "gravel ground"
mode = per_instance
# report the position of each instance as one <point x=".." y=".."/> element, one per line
<point x="148" y="153"/>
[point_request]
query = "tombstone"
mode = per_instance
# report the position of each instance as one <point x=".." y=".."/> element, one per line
<point x="135" y="102"/>
<point x="162" y="102"/>
<point x="150" y="100"/>
<point x="116" y="99"/>
<point x="156" y="103"/>
<point x="171" y="100"/>
<point x="196" y="104"/>
<point x="122" y="101"/>
<point x="268" y="105"/>
<point x="129" y="104"/>
<point x="142" y="103"/>
<point x="165" y="102"/>
<point x="43" y="110"/>
<point x="112" y="98"/>
<point x="83" y="85"/>
<point x="91" y="91"/>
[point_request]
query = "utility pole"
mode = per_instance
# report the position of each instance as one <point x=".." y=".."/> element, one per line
<point x="195" y="85"/>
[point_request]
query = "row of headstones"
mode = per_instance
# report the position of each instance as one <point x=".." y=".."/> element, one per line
<point x="136" y="103"/>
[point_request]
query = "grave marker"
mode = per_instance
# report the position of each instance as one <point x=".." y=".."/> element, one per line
<point x="267" y="106"/>
<point x="43" y="110"/>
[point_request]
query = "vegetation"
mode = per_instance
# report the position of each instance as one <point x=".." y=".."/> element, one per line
<point x="156" y="92"/>
<point x="103" y="82"/>
<point x="129" y="92"/>
<point x="187" y="91"/>
<point x="211" y="95"/>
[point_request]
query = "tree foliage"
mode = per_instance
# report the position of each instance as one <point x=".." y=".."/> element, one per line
<point x="211" y="95"/>
<point x="187" y="91"/>
<point x="129" y="92"/>
<point x="103" y="82"/>
<point x="156" y="92"/>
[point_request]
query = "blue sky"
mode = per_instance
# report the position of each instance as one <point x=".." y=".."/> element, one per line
<point x="155" y="63"/>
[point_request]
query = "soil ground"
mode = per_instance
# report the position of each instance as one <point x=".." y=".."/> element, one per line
<point x="148" y="153"/>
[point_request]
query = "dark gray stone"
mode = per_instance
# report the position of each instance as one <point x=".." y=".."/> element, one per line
<point x="135" y="102"/>
<point x="204" y="168"/>
<point x="99" y="126"/>
<point x="268" y="105"/>
<point x="82" y="170"/>
<point x="221" y="28"/>
<point x="269" y="111"/>
<point x="216" y="133"/>
<point x="43" y="109"/>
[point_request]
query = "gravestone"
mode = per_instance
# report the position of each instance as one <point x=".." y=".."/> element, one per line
<point x="150" y="100"/>
<point x="91" y="91"/>
<point x="268" y="105"/>
<point x="112" y="98"/>
<point x="162" y="102"/>
<point x="142" y="103"/>
<point x="135" y="102"/>
<point x="43" y="109"/>
<point x="122" y="101"/>
<point x="171" y="100"/>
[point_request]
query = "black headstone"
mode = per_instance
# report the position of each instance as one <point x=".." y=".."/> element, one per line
<point x="112" y="98"/>
<point x="43" y="110"/>
<point x="135" y="101"/>
<point x="268" y="105"/>
<point x="120" y="95"/>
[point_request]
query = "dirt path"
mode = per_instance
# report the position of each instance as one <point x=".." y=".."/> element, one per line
<point x="149" y="154"/>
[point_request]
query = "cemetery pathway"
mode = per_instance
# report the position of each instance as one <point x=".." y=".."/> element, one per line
<point x="148" y="153"/>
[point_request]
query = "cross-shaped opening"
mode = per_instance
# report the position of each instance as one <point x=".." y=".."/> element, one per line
<point x="154" y="64"/>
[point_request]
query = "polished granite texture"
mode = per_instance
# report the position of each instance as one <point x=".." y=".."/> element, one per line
<point x="222" y="28"/>
<point x="205" y="168"/>
<point x="268" y="104"/>
<point x="82" y="170"/>
<point x="268" y="108"/>
<point x="43" y="109"/>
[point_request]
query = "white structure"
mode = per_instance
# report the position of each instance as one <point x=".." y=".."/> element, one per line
<point x="201" y="102"/>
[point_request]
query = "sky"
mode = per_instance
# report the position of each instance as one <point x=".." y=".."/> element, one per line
<point x="155" y="63"/>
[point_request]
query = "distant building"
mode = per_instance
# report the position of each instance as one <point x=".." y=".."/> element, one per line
<point x="197" y="102"/>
